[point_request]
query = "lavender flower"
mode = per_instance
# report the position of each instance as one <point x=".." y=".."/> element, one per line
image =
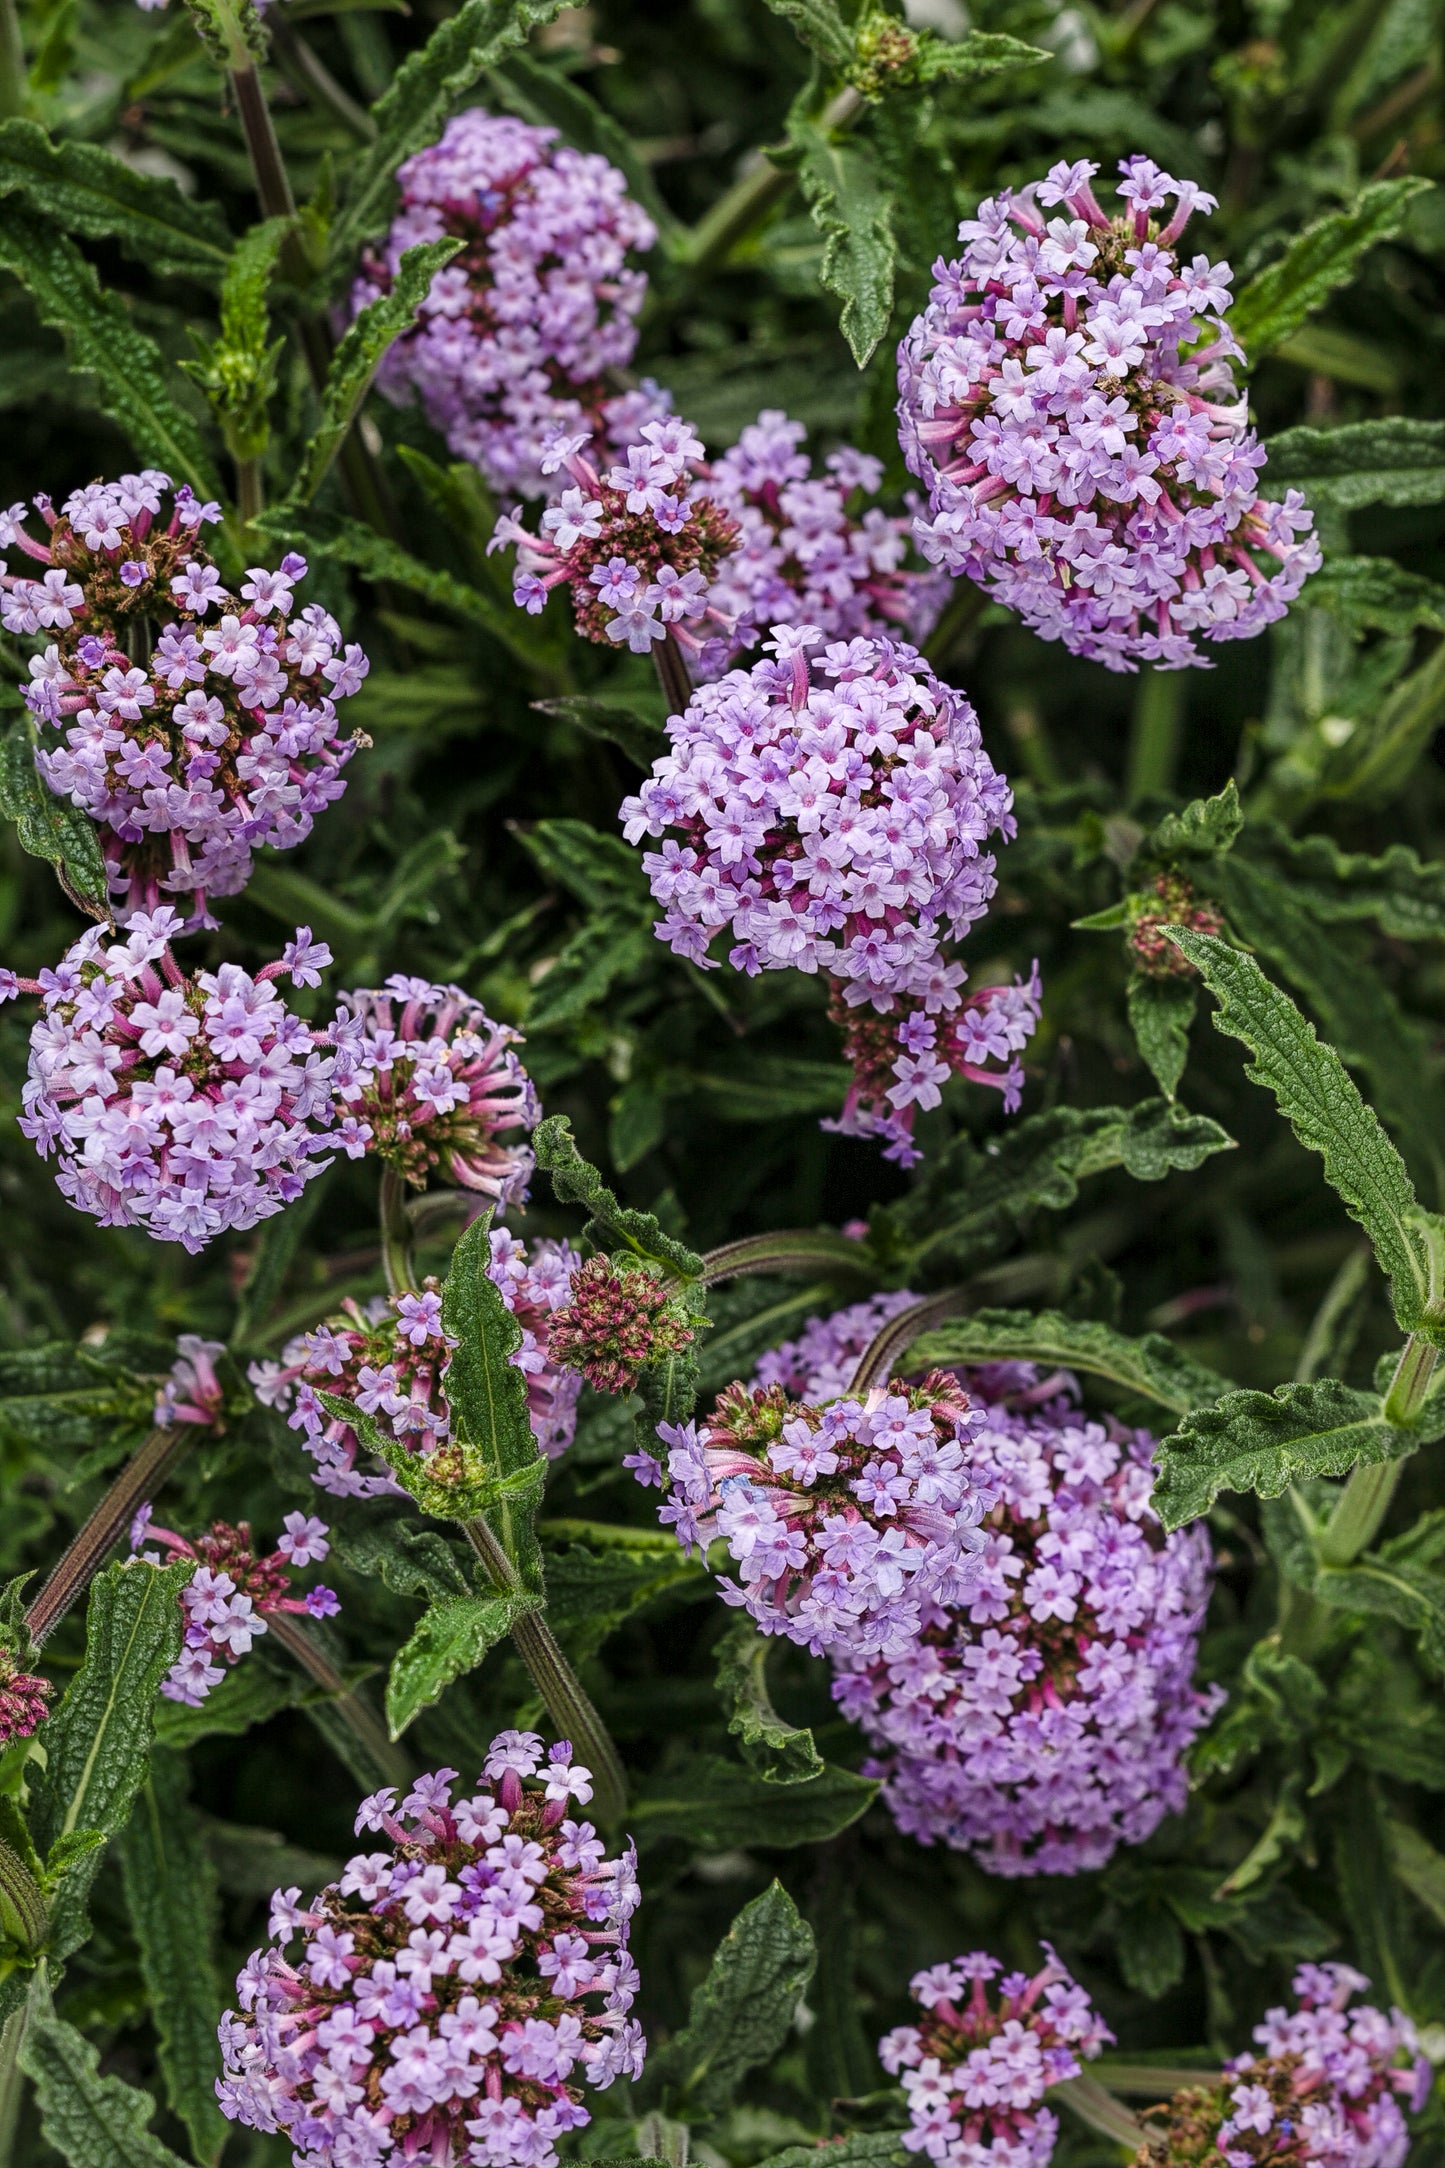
<point x="232" y="1592"/>
<point x="848" y="1522"/>
<point x="181" y="1105"/>
<point x="223" y="737"/>
<point x="191" y="1391"/>
<point x="390" y="1357"/>
<point x="975" y="2070"/>
<point x="446" y="1998"/>
<point x="1088" y="460"/>
<point x="1327" y="2087"/>
<point x="618" y="1318"/>
<point x="520" y="331"/>
<point x="833" y="817"/>
<point x="434" y="1082"/>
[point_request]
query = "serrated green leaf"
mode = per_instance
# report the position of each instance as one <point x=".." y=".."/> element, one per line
<point x="129" y="371"/>
<point x="974" y="57"/>
<point x="1323" y="1106"/>
<point x="449" y="1639"/>
<point x="411" y="1561"/>
<point x="1202" y="829"/>
<point x="231" y="31"/>
<point x="590" y="1591"/>
<point x="247" y="1696"/>
<point x="1396" y="461"/>
<point x="1150" y="1365"/>
<point x="170" y="1893"/>
<point x="81" y="189"/>
<point x="854" y="214"/>
<point x="857" y="2149"/>
<point x="712" y="1805"/>
<point x="635" y="726"/>
<point x="576" y="1182"/>
<point x="92" y="2122"/>
<point x="1160" y="1014"/>
<point x="1263" y="1442"/>
<point x="1411" y="1595"/>
<point x="819" y="26"/>
<point x="771" y="1088"/>
<point x="599" y="869"/>
<point x="1326" y="255"/>
<point x="1402" y="894"/>
<point x="1376" y="594"/>
<point x="743" y="2011"/>
<point x="49" y="827"/>
<point x="780" y="1753"/>
<point x="486" y="1392"/>
<point x="1282" y="1834"/>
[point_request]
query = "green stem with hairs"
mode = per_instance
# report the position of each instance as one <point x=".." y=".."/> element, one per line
<point x="366" y="1728"/>
<point x="1095" y="2105"/>
<point x="1154" y="738"/>
<point x="138" y="1482"/>
<point x="752" y="196"/>
<point x="397" y="1234"/>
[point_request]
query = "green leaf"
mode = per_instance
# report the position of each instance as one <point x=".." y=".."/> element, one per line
<point x="590" y="1591"/>
<point x="92" y="2122"/>
<point x="576" y="1182"/>
<point x="130" y="373"/>
<point x="744" y="2010"/>
<point x="247" y="1696"/>
<point x="713" y="1805"/>
<point x="1282" y="1835"/>
<point x="635" y="726"/>
<point x="1403" y="895"/>
<point x="781" y="1753"/>
<point x="1279" y="298"/>
<point x="858" y="2149"/>
<point x="230" y="30"/>
<point x="237" y="371"/>
<point x="421" y="94"/>
<point x="599" y="869"/>
<point x="1324" y="1108"/>
<point x="1411" y="1595"/>
<point x="411" y="1561"/>
<point x="81" y="189"/>
<point x="1374" y="593"/>
<point x="1152" y="1365"/>
<point x="50" y="827"/>
<point x="974" y="57"/>
<point x="1419" y="1866"/>
<point x="485" y="1390"/>
<point x="771" y="1088"/>
<point x="854" y="214"/>
<point x="359" y="355"/>
<point x="170" y="1893"/>
<point x="1265" y="1441"/>
<point x="450" y="1638"/>
<point x="1160" y="1014"/>
<point x="1392" y="461"/>
<point x="1202" y="829"/>
<point x="819" y="26"/>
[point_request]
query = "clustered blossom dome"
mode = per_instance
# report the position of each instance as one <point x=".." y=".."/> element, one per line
<point x="807" y="554"/>
<point x="198" y="724"/>
<point x="434" y="1082"/>
<point x="975" y="2068"/>
<point x="1172" y="903"/>
<point x="1327" y="2086"/>
<point x="390" y="1355"/>
<point x="639" y="546"/>
<point x="521" y="328"/>
<point x="618" y="1318"/>
<point x="182" y="1105"/>
<point x="445" y="2000"/>
<point x="831" y="813"/>
<point x="1068" y="400"/>
<point x="232" y="1592"/>
<point x="848" y="1522"/>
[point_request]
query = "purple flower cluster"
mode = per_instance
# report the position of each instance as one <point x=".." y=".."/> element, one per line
<point x="807" y="554"/>
<point x="23" y="1700"/>
<point x="521" y="329"/>
<point x="431" y="1081"/>
<point x="182" y="1105"/>
<point x="975" y="2068"/>
<point x="850" y="1523"/>
<point x="639" y="546"/>
<point x="832" y="815"/>
<point x="222" y="736"/>
<point x="232" y="1592"/>
<point x="1067" y="398"/>
<point x="389" y="1357"/>
<point x="446" y="1998"/>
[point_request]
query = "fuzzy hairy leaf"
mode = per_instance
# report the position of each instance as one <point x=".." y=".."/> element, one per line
<point x="92" y="2122"/>
<point x="50" y="827"/>
<point x="1279" y="298"/>
<point x="449" y="1639"/>
<point x="487" y="1395"/>
<point x="1263" y="1442"/>
<point x="854" y="214"/>
<point x="1395" y="460"/>
<point x="744" y="2009"/>
<point x="859" y="2149"/>
<point x="1160" y="1014"/>
<point x="575" y="1182"/>
<point x="1323" y="1107"/>
<point x="1201" y="829"/>
<point x="595" y="1582"/>
<point x="170" y="1893"/>
<point x="1376" y="593"/>
<point x="411" y="1561"/>
<point x="1411" y="1595"/>
<point x="974" y="57"/>
<point x="1150" y="1365"/>
<point x="781" y="1753"/>
<point x="599" y="869"/>
<point x="819" y="26"/>
<point x="609" y="947"/>
<point x="712" y="1805"/>
<point x="230" y="30"/>
<point x="81" y="189"/>
<point x="634" y="726"/>
<point x="1401" y="893"/>
<point x="247" y="1696"/>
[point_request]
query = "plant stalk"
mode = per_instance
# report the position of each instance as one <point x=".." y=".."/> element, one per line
<point x="1154" y="739"/>
<point x="12" y="2078"/>
<point x="398" y="1231"/>
<point x="1359" y="1514"/>
<point x="368" y="1732"/>
<point x="1095" y="2105"/>
<point x="311" y="74"/>
<point x="250" y="490"/>
<point x="137" y="1483"/>
<point x="672" y="675"/>
<point x="747" y="203"/>
<point x="14" y="76"/>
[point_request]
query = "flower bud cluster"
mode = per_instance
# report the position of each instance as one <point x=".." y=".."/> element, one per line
<point x="432" y="1082"/>
<point x="182" y="1105"/>
<point x="1068" y="400"/>
<point x="618" y="1318"/>
<point x="198" y="724"/>
<point x="23" y="1699"/>
<point x="976" y="2066"/>
<point x="520" y="331"/>
<point x="1153" y="953"/>
<point x="447" y="1997"/>
<point x="232" y="1592"/>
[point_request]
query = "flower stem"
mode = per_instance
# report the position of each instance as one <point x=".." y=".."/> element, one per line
<point x="1095" y="2105"/>
<point x="14" y="78"/>
<point x="672" y="675"/>
<point x="1410" y="1385"/>
<point x="747" y="203"/>
<point x="12" y="2079"/>
<point x="397" y="1233"/>
<point x="364" y="1726"/>
<point x="1154" y="739"/>
<point x="1356" y="1520"/>
<point x="138" y="1481"/>
<point x="250" y="490"/>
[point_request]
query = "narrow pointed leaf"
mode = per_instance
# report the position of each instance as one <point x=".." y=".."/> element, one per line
<point x="1396" y="460"/>
<point x="1150" y="1365"/>
<point x="92" y="2122"/>
<point x="854" y="213"/>
<point x="49" y="827"/>
<point x="450" y="1638"/>
<point x="744" y="2009"/>
<point x="781" y="1753"/>
<point x="1326" y="255"/>
<point x="86" y="191"/>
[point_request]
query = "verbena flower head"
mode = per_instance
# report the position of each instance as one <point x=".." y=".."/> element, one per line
<point x="831" y="812"/>
<point x="389" y="1357"/>
<point x="232" y="1593"/>
<point x="435" y="1083"/>
<point x="976" y="2066"/>
<point x="447" y="1999"/>
<point x="1068" y="400"/>
<point x="519" y="331"/>
<point x="182" y="1105"/>
<point x="1174" y="903"/>
<point x="638" y="544"/>
<point x="809" y="552"/>
<point x="618" y="1319"/>
<point x="846" y="1521"/>
<point x="1327" y="2085"/>
<point x="23" y="1700"/>
<point x="191" y="1391"/>
<point x="197" y="724"/>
